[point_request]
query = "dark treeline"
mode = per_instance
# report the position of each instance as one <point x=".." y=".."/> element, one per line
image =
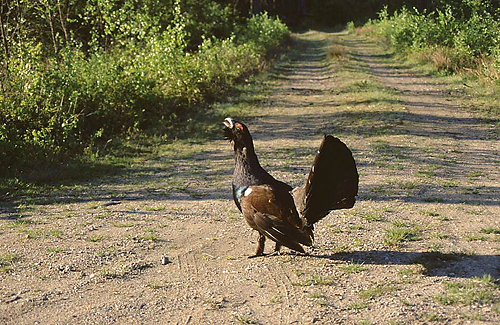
<point x="339" y="12"/>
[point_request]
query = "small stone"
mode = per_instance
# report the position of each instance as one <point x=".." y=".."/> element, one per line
<point x="165" y="260"/>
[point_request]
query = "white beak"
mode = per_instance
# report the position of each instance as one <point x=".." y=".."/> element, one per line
<point x="228" y="122"/>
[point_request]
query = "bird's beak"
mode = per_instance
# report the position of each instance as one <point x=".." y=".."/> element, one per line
<point x="228" y="122"/>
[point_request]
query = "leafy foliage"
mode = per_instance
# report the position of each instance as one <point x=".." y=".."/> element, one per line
<point x="110" y="67"/>
<point x="455" y="36"/>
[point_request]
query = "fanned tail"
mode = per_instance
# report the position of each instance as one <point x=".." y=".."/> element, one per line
<point x="332" y="183"/>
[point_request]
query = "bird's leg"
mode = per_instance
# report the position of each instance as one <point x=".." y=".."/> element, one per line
<point x="277" y="248"/>
<point x="260" y="246"/>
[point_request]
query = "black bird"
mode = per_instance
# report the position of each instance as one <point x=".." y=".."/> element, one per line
<point x="268" y="205"/>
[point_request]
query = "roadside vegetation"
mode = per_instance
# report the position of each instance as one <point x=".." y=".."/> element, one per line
<point x="456" y="36"/>
<point x="75" y="74"/>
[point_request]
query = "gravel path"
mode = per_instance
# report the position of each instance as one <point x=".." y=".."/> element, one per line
<point x="420" y="246"/>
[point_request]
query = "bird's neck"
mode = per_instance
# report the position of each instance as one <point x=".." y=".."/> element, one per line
<point x="247" y="168"/>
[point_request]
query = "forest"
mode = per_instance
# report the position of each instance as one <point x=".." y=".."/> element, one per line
<point x="75" y="73"/>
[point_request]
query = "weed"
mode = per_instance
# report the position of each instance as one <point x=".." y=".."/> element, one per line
<point x="155" y="284"/>
<point x="404" y="302"/>
<point x="352" y="267"/>
<point x="434" y="247"/>
<point x="396" y="235"/>
<point x="450" y="183"/>
<point x="465" y="293"/>
<point x="490" y="230"/>
<point x="40" y="233"/>
<point x="245" y="320"/>
<point x="375" y="291"/>
<point x="475" y="175"/>
<point x="410" y="271"/>
<point x="154" y="208"/>
<point x="322" y="303"/>
<point x="299" y="272"/>
<point x="407" y="186"/>
<point x="372" y="216"/>
<point x="316" y="295"/>
<point x="475" y="237"/>
<point x="6" y="261"/>
<point x="96" y="238"/>
<point x="429" y="213"/>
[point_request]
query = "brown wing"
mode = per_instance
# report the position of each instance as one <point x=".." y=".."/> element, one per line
<point x="332" y="182"/>
<point x="273" y="214"/>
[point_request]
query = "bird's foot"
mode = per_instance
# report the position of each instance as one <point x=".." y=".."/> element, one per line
<point x="257" y="255"/>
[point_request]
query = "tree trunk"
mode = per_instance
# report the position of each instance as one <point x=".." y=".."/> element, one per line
<point x="63" y="21"/>
<point x="256" y="7"/>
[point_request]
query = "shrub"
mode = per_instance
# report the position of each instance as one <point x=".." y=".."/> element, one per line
<point x="51" y="107"/>
<point x="462" y="35"/>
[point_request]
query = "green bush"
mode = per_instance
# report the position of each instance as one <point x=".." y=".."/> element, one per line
<point x="466" y="33"/>
<point x="54" y="106"/>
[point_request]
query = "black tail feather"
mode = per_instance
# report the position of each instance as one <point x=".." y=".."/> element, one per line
<point x="332" y="182"/>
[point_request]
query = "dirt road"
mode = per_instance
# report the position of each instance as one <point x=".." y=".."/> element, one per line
<point x="420" y="246"/>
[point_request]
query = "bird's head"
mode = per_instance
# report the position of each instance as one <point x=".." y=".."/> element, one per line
<point x="237" y="133"/>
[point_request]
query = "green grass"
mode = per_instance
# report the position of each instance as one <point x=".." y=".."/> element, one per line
<point x="429" y="213"/>
<point x="408" y="186"/>
<point x="476" y="237"/>
<point x="41" y="233"/>
<point x="6" y="261"/>
<point x="490" y="230"/>
<point x="395" y="236"/>
<point x="316" y="295"/>
<point x="471" y="292"/>
<point x="245" y="319"/>
<point x="96" y="238"/>
<point x="450" y="183"/>
<point x="408" y="271"/>
<point x="148" y="237"/>
<point x="352" y="267"/>
<point x="376" y="291"/>
<point x="372" y="216"/>
<point x="154" y="208"/>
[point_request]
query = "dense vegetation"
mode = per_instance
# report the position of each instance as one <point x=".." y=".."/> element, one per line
<point x="456" y="36"/>
<point x="76" y="72"/>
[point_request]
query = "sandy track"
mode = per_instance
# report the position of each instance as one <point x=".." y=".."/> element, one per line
<point x="91" y="253"/>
